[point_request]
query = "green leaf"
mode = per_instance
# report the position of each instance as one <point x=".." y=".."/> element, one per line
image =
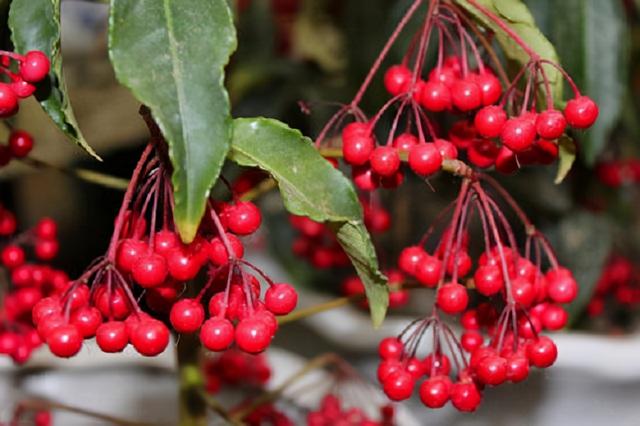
<point x="35" y="25"/>
<point x="591" y="38"/>
<point x="518" y="17"/>
<point x="311" y="187"/>
<point x="566" y="157"/>
<point x="172" y="54"/>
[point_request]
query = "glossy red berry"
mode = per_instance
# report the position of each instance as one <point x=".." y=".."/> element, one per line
<point x="542" y="352"/>
<point x="217" y="334"/>
<point x="112" y="336"/>
<point x="488" y="280"/>
<point x="465" y="396"/>
<point x="581" y="112"/>
<point x="22" y="89"/>
<point x="397" y="79"/>
<point x="490" y="88"/>
<point x="34" y="67"/>
<point x="490" y="120"/>
<point x="218" y="254"/>
<point x="46" y="249"/>
<point x="87" y="319"/>
<point x="434" y="392"/>
<point x="385" y="161"/>
<point x="281" y="299"/>
<point x="410" y="258"/>
<point x="550" y="124"/>
<point x="253" y="335"/>
<point x="425" y="159"/>
<point x="554" y="317"/>
<point x="8" y="101"/>
<point x="46" y="229"/>
<point x="150" y="337"/>
<point x="561" y="285"/>
<point x="165" y="241"/>
<point x="471" y="340"/>
<point x="452" y="298"/>
<point x="150" y="271"/>
<point x="12" y="256"/>
<point x="435" y="96"/>
<point x="517" y="368"/>
<point x="20" y="143"/>
<point x="357" y="148"/>
<point x="398" y="385"/>
<point x="436" y="364"/>
<point x="404" y="142"/>
<point x="64" y="341"/>
<point x="518" y="133"/>
<point x="187" y="315"/>
<point x="446" y="148"/>
<point x="183" y="263"/>
<point x="390" y="348"/>
<point x="243" y="218"/>
<point x="523" y="291"/>
<point x="466" y="95"/>
<point x="492" y="370"/>
<point x="428" y="271"/>
<point x="130" y="251"/>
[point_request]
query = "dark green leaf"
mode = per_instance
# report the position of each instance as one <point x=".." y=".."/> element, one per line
<point x="566" y="157"/>
<point x="35" y="25"/>
<point x="172" y="54"/>
<point x="311" y="187"/>
<point x="518" y="17"/>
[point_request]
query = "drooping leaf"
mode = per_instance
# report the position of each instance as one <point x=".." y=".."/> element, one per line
<point x="172" y="54"/>
<point x="591" y="38"/>
<point x="566" y="157"/>
<point x="35" y="25"/>
<point x="519" y="19"/>
<point x="311" y="187"/>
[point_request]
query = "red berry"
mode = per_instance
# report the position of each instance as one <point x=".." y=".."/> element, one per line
<point x="425" y="159"/>
<point x="446" y="148"/>
<point x="150" y="271"/>
<point x="87" y="319"/>
<point x="554" y="317"/>
<point x="20" y="143"/>
<point x="388" y="367"/>
<point x="410" y="258"/>
<point x="581" y="112"/>
<point x="471" y="340"/>
<point x="436" y="364"/>
<point x="465" y="396"/>
<point x="435" y="96"/>
<point x="444" y="75"/>
<point x="12" y="256"/>
<point x="434" y="392"/>
<point x="518" y="133"/>
<point x="550" y="124"/>
<point x="8" y="101"/>
<point x="542" y="352"/>
<point x="22" y="89"/>
<point x="218" y="254"/>
<point x="186" y="315"/>
<point x="281" y="299"/>
<point x="390" y="348"/>
<point x="398" y="385"/>
<point x="112" y="336"/>
<point x="9" y="343"/>
<point x="428" y="271"/>
<point x="466" y="95"/>
<point x="506" y="162"/>
<point x="488" y="280"/>
<point x="490" y="120"/>
<point x="397" y="79"/>
<point x="217" y="334"/>
<point x="34" y="67"/>
<point x="357" y="148"/>
<point x="150" y="337"/>
<point x="561" y="285"/>
<point x="470" y="320"/>
<point x="46" y="306"/>
<point x="517" y="368"/>
<point x="65" y="341"/>
<point x="452" y="298"/>
<point x="46" y="229"/>
<point x="385" y="161"/>
<point x="46" y="249"/>
<point x="183" y="263"/>
<point x="404" y="142"/>
<point x="114" y="305"/>
<point x="243" y="218"/>
<point x="490" y="88"/>
<point x="165" y="241"/>
<point x="523" y="291"/>
<point x="492" y="370"/>
<point x="253" y="335"/>
<point x="364" y="178"/>
<point x="130" y="252"/>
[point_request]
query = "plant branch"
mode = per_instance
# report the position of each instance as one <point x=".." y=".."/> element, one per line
<point x="91" y="176"/>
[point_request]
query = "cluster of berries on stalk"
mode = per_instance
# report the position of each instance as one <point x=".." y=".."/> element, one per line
<point x="19" y="145"/>
<point x="25" y="282"/>
<point x="32" y="69"/>
<point x="616" y="173"/>
<point x="332" y="411"/>
<point x="233" y="368"/>
<point x="618" y="286"/>
<point x="514" y="301"/>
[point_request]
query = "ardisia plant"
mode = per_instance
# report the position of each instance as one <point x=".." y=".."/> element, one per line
<point x="477" y="89"/>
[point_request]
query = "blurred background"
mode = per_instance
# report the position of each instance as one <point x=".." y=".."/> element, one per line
<point x="295" y="58"/>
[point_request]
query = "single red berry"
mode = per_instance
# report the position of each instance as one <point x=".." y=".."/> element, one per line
<point x="150" y="271"/>
<point x="452" y="298"/>
<point x="490" y="120"/>
<point x="523" y="291"/>
<point x="488" y="280"/>
<point x="388" y="367"/>
<point x="20" y="143"/>
<point x="46" y="249"/>
<point x="471" y="340"/>
<point x="550" y="124"/>
<point x="546" y="151"/>
<point x="490" y="88"/>
<point x="385" y="160"/>
<point x="397" y="79"/>
<point x="12" y="256"/>
<point x="218" y="254"/>
<point x="357" y="148"/>
<point x="460" y="262"/>
<point x="217" y="334"/>
<point x="492" y="370"/>
<point x="87" y="319"/>
<point x="506" y="162"/>
<point x="428" y="271"/>
<point x="446" y="148"/>
<point x="425" y="159"/>
<point x="435" y="96"/>
<point x="165" y="241"/>
<point x="554" y="317"/>
<point x="581" y="112"/>
<point x="518" y="133"/>
<point x="470" y="320"/>
<point x="8" y="101"/>
<point x="244" y="218"/>
<point x="65" y="341"/>
<point x="462" y="133"/>
<point x="281" y="299"/>
<point x="445" y="75"/>
<point x="404" y="142"/>
<point x="183" y="263"/>
<point x="434" y="392"/>
<point x="9" y="342"/>
<point x="465" y="396"/>
<point x="398" y="385"/>
<point x="466" y="95"/>
<point x="436" y="364"/>
<point x="112" y="336"/>
<point x="390" y="348"/>
<point x="34" y="67"/>
<point x="46" y="229"/>
<point x="517" y="368"/>
<point x="187" y="315"/>
<point x="45" y="306"/>
<point x="150" y="337"/>
<point x="356" y="128"/>
<point x="253" y="335"/>
<point x="364" y="178"/>
<point x="42" y="418"/>
<point x="130" y="252"/>
<point x="114" y="305"/>
<point x="410" y="258"/>
<point x="542" y="352"/>
<point x="561" y="285"/>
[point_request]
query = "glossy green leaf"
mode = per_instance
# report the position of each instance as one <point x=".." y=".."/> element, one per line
<point x="311" y="187"/>
<point x="172" y="54"/>
<point x="517" y="16"/>
<point x="566" y="157"/>
<point x="35" y="25"/>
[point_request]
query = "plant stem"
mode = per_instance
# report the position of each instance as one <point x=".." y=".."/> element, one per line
<point x="193" y="409"/>
<point x="87" y="175"/>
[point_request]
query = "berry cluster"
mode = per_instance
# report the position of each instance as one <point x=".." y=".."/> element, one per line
<point x="267" y="414"/>
<point x="331" y="412"/>
<point x="616" y="173"/>
<point x="233" y="368"/>
<point x="33" y="68"/>
<point x="29" y="282"/>
<point x="19" y="146"/>
<point x="618" y="286"/>
<point x="500" y="347"/>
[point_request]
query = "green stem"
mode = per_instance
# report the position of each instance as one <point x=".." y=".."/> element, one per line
<point x="193" y="408"/>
